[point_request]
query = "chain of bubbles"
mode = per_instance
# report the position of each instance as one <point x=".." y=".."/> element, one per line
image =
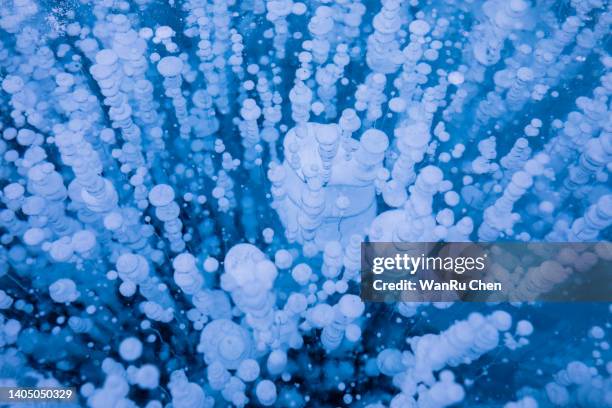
<point x="185" y="186"/>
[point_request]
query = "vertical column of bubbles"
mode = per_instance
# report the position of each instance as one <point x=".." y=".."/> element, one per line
<point x="12" y="196"/>
<point x="413" y="72"/>
<point x="198" y="26"/>
<point x="327" y="77"/>
<point x="370" y="153"/>
<point x="597" y="154"/>
<point x="14" y="86"/>
<point x="125" y="225"/>
<point x="516" y="157"/>
<point x="248" y="278"/>
<point x="420" y="205"/>
<point x="433" y="98"/>
<point x="45" y="207"/>
<point x="320" y="27"/>
<point x="312" y="204"/>
<point x="415" y="222"/>
<point x="383" y="49"/>
<point x="577" y="138"/>
<point x="300" y="95"/>
<point x="236" y="60"/>
<point x="499" y="218"/>
<point x="272" y="113"/>
<point x="167" y="211"/>
<point x="328" y="140"/>
<point x="249" y="216"/>
<point x="31" y="156"/>
<point x="571" y="137"/>
<point x="147" y="114"/>
<point x="287" y="324"/>
<point x="586" y="43"/>
<point x="489" y="108"/>
<point x="9" y="328"/>
<point x="205" y="122"/>
<point x="224" y="192"/>
<point x="170" y="68"/>
<point x="77" y="102"/>
<point x="130" y="48"/>
<point x="226" y="345"/>
<point x="108" y="74"/>
<point x="412" y="141"/>
<point x="134" y="272"/>
<point x="459" y="98"/>
<point x="332" y="262"/>
<point x="37" y="107"/>
<point x="502" y="21"/>
<point x="140" y="189"/>
<point x="277" y="12"/>
<point x="204" y="24"/>
<point x="350" y="18"/>
<point x="595" y="108"/>
<point x="88" y="187"/>
<point x="8" y="219"/>
<point x="276" y="175"/>
<point x="217" y="376"/>
<point x="540" y="279"/>
<point x="490" y="34"/>
<point x="597" y="218"/>
<point x="370" y="96"/>
<point x="349" y="123"/>
<point x="213" y="304"/>
<point x="366" y="163"/>
<point x="221" y="20"/>
<point x="549" y="50"/>
<point x="512" y="94"/>
<point x="518" y="94"/>
<point x="351" y="260"/>
<point x="345" y="312"/>
<point x="186" y="275"/>
<point x="488" y="152"/>
<point x="115" y="388"/>
<point x="249" y="131"/>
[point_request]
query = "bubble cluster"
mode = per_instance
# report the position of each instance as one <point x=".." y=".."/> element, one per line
<point x="185" y="186"/>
